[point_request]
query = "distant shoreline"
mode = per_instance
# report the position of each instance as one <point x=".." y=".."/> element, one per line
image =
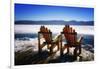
<point x="54" y="22"/>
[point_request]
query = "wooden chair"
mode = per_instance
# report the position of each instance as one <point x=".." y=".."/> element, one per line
<point x="47" y="35"/>
<point x="71" y="40"/>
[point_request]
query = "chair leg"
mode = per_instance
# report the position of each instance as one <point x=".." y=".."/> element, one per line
<point x="58" y="46"/>
<point x="79" y="50"/>
<point x="61" y="52"/>
<point x="67" y="49"/>
<point x="67" y="46"/>
<point x="48" y="46"/>
<point x="75" y="51"/>
<point x="51" y="49"/>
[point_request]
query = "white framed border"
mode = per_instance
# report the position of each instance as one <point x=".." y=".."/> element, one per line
<point x="51" y="3"/>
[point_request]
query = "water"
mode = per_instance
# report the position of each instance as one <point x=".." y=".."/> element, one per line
<point x="87" y="39"/>
<point x="25" y="35"/>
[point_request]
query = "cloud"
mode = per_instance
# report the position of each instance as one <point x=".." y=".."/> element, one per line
<point x="53" y="28"/>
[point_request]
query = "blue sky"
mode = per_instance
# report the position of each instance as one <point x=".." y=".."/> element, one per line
<point x="44" y="12"/>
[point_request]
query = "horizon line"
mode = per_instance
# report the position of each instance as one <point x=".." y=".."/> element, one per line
<point x="56" y="20"/>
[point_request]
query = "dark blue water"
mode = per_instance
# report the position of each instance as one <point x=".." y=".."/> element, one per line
<point x="21" y="36"/>
<point x="87" y="39"/>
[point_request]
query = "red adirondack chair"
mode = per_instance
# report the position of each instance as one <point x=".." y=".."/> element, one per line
<point x="71" y="40"/>
<point x="47" y="35"/>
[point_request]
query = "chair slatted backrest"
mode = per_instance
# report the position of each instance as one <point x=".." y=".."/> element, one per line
<point x="70" y="34"/>
<point x="46" y="34"/>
